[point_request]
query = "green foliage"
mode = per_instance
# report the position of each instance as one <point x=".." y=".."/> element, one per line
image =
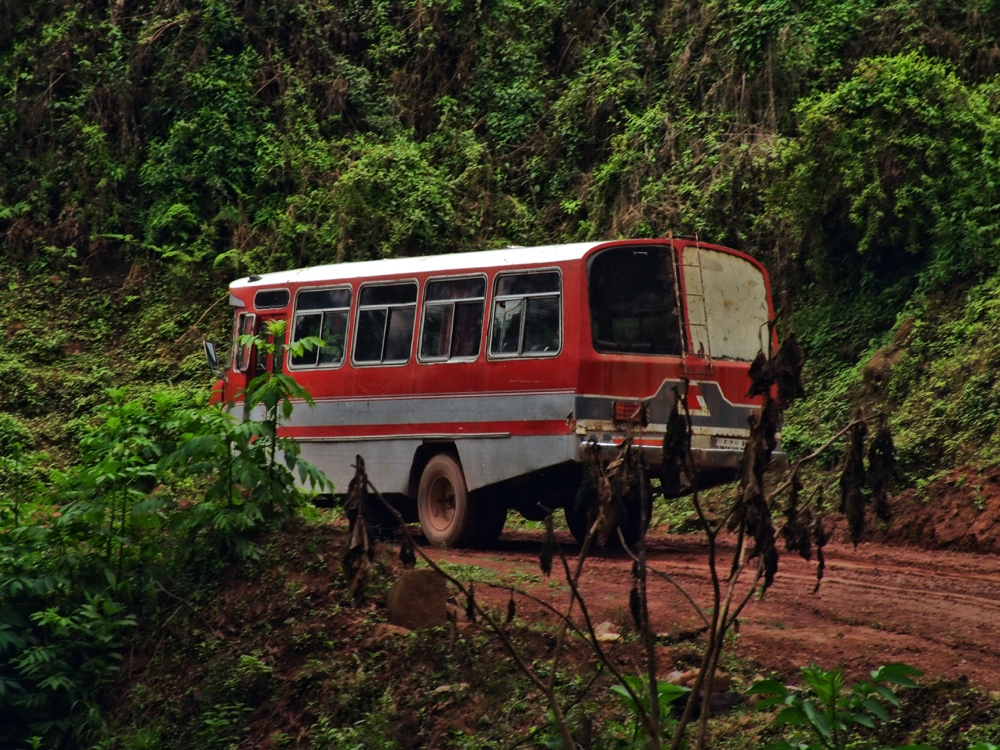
<point x="285" y="134"/>
<point x="634" y="729"/>
<point x="904" y="154"/>
<point x="220" y="724"/>
<point x="14" y="435"/>
<point x="831" y="715"/>
<point x="71" y="579"/>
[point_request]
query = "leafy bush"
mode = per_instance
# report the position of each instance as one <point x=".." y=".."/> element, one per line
<point x="899" y="160"/>
<point x="73" y="575"/>
<point x="830" y="715"/>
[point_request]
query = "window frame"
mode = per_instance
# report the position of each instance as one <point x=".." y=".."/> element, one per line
<point x="357" y="320"/>
<point x="269" y="310"/>
<point x="494" y="297"/>
<point x="289" y="367"/>
<point x="423" y="307"/>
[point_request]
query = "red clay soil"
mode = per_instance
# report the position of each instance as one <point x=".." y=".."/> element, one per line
<point x="933" y="609"/>
<point x="960" y="511"/>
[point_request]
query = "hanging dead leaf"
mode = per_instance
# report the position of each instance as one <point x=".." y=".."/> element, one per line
<point x="820" y="539"/>
<point x="675" y="451"/>
<point x="635" y="607"/>
<point x="360" y="549"/>
<point x="881" y="469"/>
<point x="852" y="481"/>
<point x="760" y="375"/>
<point x="796" y="532"/>
<point x="470" y="604"/>
<point x="786" y="370"/>
<point x="548" y="548"/>
<point x="406" y="556"/>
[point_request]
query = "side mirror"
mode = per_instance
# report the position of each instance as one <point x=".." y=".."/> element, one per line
<point x="212" y="357"/>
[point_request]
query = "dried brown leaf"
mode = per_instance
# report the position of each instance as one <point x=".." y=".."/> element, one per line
<point x="360" y="549"/>
<point x="820" y="539"/>
<point x="548" y="548"/>
<point x="761" y="378"/>
<point x="881" y="469"/>
<point x="852" y="482"/>
<point x="470" y="604"/>
<point x="635" y="607"/>
<point x="796" y="532"/>
<point x="786" y="369"/>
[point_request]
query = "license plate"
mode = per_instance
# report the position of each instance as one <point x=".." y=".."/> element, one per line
<point x="731" y="444"/>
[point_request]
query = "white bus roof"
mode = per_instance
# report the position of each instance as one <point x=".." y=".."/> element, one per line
<point x="370" y="269"/>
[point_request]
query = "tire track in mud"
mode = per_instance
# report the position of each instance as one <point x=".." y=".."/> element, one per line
<point x="936" y="610"/>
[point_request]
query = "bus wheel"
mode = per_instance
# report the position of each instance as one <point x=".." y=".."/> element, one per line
<point x="632" y="527"/>
<point x="491" y="515"/>
<point x="443" y="503"/>
<point x="576" y="519"/>
<point x="631" y="524"/>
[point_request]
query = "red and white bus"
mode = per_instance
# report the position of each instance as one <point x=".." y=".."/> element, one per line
<point x="470" y="383"/>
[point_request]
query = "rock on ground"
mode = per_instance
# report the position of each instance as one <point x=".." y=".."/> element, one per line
<point x="418" y="599"/>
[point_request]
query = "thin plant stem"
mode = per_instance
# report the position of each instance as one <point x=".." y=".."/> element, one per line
<point x="543" y="686"/>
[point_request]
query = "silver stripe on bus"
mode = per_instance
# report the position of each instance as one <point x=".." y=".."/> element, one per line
<point x="401" y="436"/>
<point x="407" y="410"/>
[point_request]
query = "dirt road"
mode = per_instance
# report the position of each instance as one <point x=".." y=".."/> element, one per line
<point x="935" y="610"/>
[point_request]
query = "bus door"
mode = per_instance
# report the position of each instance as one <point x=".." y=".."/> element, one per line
<point x="698" y="352"/>
<point x="269" y="358"/>
<point x="257" y="360"/>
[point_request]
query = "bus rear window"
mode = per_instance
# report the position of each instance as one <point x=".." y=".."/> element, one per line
<point x="633" y="301"/>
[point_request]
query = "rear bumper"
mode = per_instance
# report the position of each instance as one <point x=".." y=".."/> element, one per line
<point x="715" y="462"/>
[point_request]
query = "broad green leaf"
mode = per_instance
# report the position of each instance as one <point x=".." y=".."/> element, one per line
<point x="774" y="700"/>
<point x="887" y="694"/>
<point x="767" y="687"/>
<point x="863" y="719"/>
<point x="817" y="718"/>
<point x="873" y="705"/>
<point x="898" y="674"/>
<point x="790" y="715"/>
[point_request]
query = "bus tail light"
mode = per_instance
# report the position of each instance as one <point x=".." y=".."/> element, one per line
<point x="630" y="412"/>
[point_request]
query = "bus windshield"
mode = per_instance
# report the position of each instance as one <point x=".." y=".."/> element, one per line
<point x="633" y="302"/>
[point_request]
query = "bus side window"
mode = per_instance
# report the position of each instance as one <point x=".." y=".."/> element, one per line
<point x="386" y="314"/>
<point x="241" y="352"/>
<point x="453" y="319"/>
<point x="323" y="313"/>
<point x="526" y="315"/>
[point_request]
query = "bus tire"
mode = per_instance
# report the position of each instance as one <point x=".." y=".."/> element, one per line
<point x="632" y="527"/>
<point x="630" y="523"/>
<point x="443" y="506"/>
<point x="576" y="519"/>
<point x="492" y="514"/>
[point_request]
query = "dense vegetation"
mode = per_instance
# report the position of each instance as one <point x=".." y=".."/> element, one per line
<point x="151" y="151"/>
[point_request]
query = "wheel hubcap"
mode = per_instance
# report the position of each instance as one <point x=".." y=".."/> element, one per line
<point x="441" y="503"/>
